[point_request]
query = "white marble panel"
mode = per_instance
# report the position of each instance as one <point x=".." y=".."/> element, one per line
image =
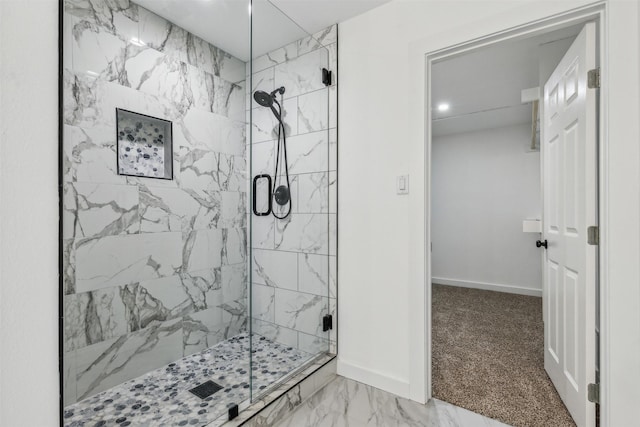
<point x="263" y="232"/>
<point x="69" y="378"/>
<point x="157" y="74"/>
<point x="103" y="365"/>
<point x="265" y="125"/>
<point x="277" y="269"/>
<point x="275" y="57"/>
<point x="333" y="192"/>
<point x="276" y="333"/>
<point x="333" y="276"/>
<point x="299" y="311"/>
<point x="333" y="107"/>
<point x="321" y="39"/>
<point x="203" y="250"/>
<point x="205" y="130"/>
<point x="93" y="317"/>
<point x="313" y="273"/>
<point x="263" y="158"/>
<point x="303" y="74"/>
<point x="174" y="209"/>
<point x="69" y="266"/>
<point x="202" y="330"/>
<point x="105" y="209"/>
<point x="118" y="260"/>
<point x="333" y="149"/>
<point x="308" y="153"/>
<point x="97" y="51"/>
<point x="333" y="234"/>
<point x="234" y="282"/>
<point x="313" y="344"/>
<point x="203" y="287"/>
<point x="262" y="80"/>
<point x="234" y="245"/>
<point x="233" y="212"/>
<point x="91" y="103"/>
<point x="89" y="155"/>
<point x="313" y="111"/>
<point x="160" y="34"/>
<point x="307" y="233"/>
<point x="119" y="18"/>
<point x="262" y="302"/>
<point x="313" y="192"/>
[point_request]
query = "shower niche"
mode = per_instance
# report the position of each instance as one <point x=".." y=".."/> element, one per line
<point x="204" y="257"/>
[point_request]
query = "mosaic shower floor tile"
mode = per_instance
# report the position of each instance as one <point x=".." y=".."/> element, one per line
<point x="162" y="396"/>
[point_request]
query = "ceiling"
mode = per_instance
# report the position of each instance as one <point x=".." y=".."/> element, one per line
<point x="483" y="88"/>
<point x="226" y="23"/>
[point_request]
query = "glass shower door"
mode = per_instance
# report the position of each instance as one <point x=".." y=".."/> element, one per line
<point x="290" y="219"/>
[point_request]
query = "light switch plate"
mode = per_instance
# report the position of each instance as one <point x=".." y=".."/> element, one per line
<point x="402" y="184"/>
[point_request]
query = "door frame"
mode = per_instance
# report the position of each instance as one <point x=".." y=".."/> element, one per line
<point x="592" y="13"/>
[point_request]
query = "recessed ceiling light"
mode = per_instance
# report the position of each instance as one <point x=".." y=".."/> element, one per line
<point x="443" y="107"/>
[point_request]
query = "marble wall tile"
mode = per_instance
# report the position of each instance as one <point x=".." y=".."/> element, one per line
<point x="277" y="269"/>
<point x="90" y="155"/>
<point x="202" y="329"/>
<point x="117" y="260"/>
<point x="314" y="190"/>
<point x="321" y="39"/>
<point x="333" y="149"/>
<point x="202" y="287"/>
<point x="234" y="245"/>
<point x="303" y="74"/>
<point x="308" y="153"/>
<point x="105" y="210"/>
<point x="313" y="344"/>
<point x="209" y="131"/>
<point x="174" y="209"/>
<point x="262" y="302"/>
<point x="203" y="250"/>
<point x="69" y="378"/>
<point x="69" y="266"/>
<point x="333" y="276"/>
<point x="307" y="233"/>
<point x="93" y="317"/>
<point x="159" y="34"/>
<point x="313" y="274"/>
<point x="262" y="80"/>
<point x="299" y="311"/>
<point x="108" y="363"/>
<point x="333" y="234"/>
<point x="118" y="17"/>
<point x="333" y="192"/>
<point x="263" y="158"/>
<point x="275" y="57"/>
<point x="234" y="282"/>
<point x="233" y="210"/>
<point x="313" y="111"/>
<point x="265" y="125"/>
<point x="275" y="332"/>
<point x="263" y="232"/>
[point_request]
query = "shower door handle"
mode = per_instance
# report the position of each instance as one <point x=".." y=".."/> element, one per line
<point x="255" y="194"/>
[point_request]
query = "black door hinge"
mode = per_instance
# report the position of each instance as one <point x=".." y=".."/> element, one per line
<point x="326" y="77"/>
<point x="327" y="323"/>
<point x="233" y="412"/>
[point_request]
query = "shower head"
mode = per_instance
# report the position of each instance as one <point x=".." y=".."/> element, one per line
<point x="263" y="98"/>
<point x="267" y="99"/>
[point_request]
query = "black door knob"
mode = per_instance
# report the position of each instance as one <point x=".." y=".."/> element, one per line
<point x="540" y="243"/>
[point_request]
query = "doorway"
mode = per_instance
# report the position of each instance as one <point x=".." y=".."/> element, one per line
<point x="498" y="314"/>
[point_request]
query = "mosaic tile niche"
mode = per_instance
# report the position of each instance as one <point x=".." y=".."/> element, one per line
<point x="154" y="270"/>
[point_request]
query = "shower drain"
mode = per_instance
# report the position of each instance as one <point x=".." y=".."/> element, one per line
<point x="206" y="389"/>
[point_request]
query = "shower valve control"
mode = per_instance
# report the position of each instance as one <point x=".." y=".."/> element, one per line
<point x="403" y="184"/>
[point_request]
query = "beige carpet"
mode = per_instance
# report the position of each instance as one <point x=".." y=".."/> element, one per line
<point x="488" y="357"/>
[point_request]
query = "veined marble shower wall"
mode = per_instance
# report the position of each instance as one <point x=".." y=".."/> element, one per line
<point x="153" y="269"/>
<point x="294" y="260"/>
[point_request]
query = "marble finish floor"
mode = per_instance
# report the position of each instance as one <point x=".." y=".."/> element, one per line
<point x="162" y="396"/>
<point x="347" y="403"/>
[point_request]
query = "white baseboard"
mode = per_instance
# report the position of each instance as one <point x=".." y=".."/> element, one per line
<point x="488" y="286"/>
<point x="373" y="378"/>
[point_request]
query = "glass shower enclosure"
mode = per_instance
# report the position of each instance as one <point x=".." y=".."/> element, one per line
<point x="199" y="207"/>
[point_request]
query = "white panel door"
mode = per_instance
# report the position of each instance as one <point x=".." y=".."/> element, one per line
<point x="570" y="206"/>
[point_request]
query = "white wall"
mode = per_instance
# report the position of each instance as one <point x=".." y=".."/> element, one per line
<point x="484" y="184"/>
<point x="28" y="213"/>
<point x="382" y="271"/>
